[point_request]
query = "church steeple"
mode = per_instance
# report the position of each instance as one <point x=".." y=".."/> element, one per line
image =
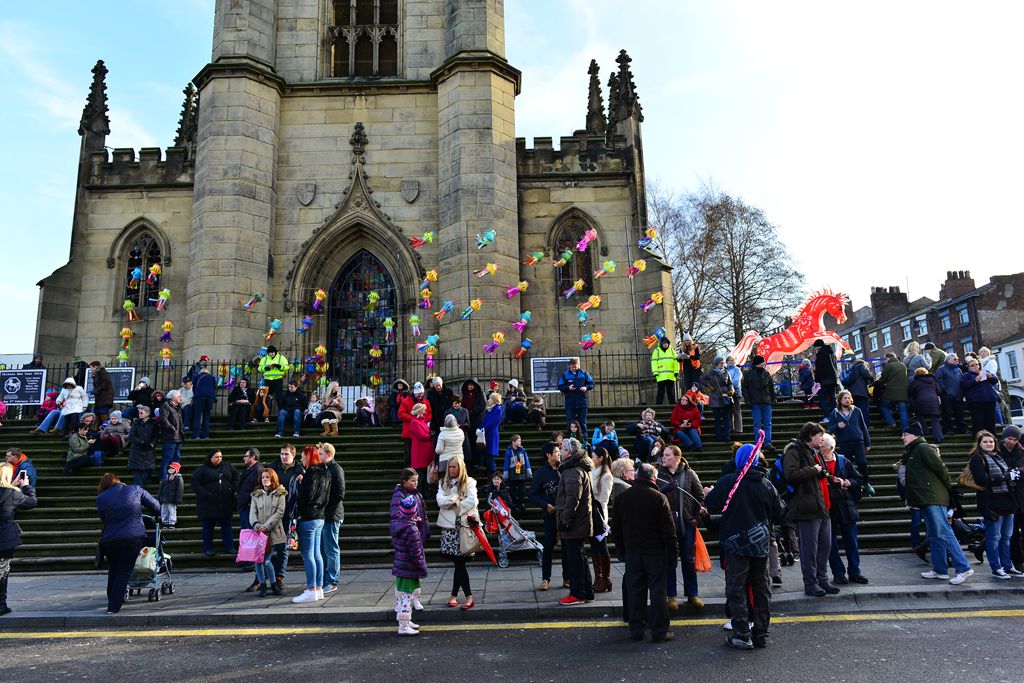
<point x="188" y="122"/>
<point x="95" y="124"/>
<point x="596" y="122"/>
<point x="627" y="103"/>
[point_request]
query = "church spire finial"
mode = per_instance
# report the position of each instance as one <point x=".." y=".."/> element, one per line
<point x="596" y="122"/>
<point x="94" y="115"/>
<point x="627" y="102"/>
<point x="188" y="122"/>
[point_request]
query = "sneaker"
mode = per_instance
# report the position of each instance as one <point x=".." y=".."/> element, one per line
<point x="727" y="626"/>
<point x="739" y="643"/>
<point x="932" y="574"/>
<point x="869" y="490"/>
<point x="1015" y="573"/>
<point x="332" y="588"/>
<point x="415" y="626"/>
<point x="319" y="593"/>
<point x="544" y="585"/>
<point x="296" y="435"/>
<point x="1001" y="574"/>
<point x="858" y="578"/>
<point x="279" y="436"/>
<point x="961" y="577"/>
<point x="405" y="629"/>
<point x="305" y="596"/>
<point x="571" y="601"/>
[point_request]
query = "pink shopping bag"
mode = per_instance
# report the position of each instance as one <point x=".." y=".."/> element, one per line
<point x="252" y="546"/>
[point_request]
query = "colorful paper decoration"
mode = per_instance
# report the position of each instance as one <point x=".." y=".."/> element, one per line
<point x="591" y="340"/>
<point x="524" y="347"/>
<point x="638" y="266"/>
<point x="432" y="340"/>
<point x="375" y="351"/>
<point x="489" y="269"/>
<point x="808" y="325"/>
<point x="371" y="301"/>
<point x="431" y="276"/>
<point x="414" y="322"/>
<point x="656" y="299"/>
<point x="606" y="268"/>
<point x="165" y="356"/>
<point x="154" y="273"/>
<point x="593" y="301"/>
<point x="588" y="237"/>
<point x="129" y="309"/>
<point x="521" y="287"/>
<point x="576" y="287"/>
<point x="655" y="339"/>
<point x="650" y="234"/>
<point x="136" y="278"/>
<point x="307" y="325"/>
<point x="126" y="337"/>
<point x="163" y="296"/>
<point x="418" y="242"/>
<point x="389" y="329"/>
<point x="272" y="328"/>
<point x="429" y="360"/>
<point x="485" y="238"/>
<point x="319" y="297"/>
<point x="447" y="307"/>
<point x="583" y="317"/>
<point x="474" y="306"/>
<point x="497" y="339"/>
<point x="167" y="327"/>
<point x="376" y="380"/>
<point x="256" y="298"/>
<point x="425" y="295"/>
<point x="122" y="359"/>
<point x="524" y="320"/>
<point x="534" y="258"/>
<point x="563" y="258"/>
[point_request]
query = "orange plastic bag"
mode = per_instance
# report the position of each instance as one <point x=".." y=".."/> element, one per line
<point x="701" y="559"/>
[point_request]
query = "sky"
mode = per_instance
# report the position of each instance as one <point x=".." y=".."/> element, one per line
<point x="883" y="139"/>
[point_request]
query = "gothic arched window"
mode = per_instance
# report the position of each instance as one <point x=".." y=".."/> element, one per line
<point x="365" y="38"/>
<point x="581" y="267"/>
<point x="143" y="253"/>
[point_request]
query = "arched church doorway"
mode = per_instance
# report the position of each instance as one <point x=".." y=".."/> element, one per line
<point x="353" y="331"/>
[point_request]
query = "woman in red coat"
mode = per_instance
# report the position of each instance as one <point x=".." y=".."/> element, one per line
<point x="685" y="424"/>
<point x="422" y="444"/>
<point x="405" y="415"/>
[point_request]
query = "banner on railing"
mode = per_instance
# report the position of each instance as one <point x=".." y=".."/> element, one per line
<point x="23" y="387"/>
<point x="545" y="373"/>
<point x="123" y="380"/>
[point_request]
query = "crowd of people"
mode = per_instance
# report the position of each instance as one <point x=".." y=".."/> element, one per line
<point x="590" y="489"/>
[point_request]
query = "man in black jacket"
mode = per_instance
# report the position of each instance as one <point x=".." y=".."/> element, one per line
<point x="826" y="374"/>
<point x="440" y="399"/>
<point x="642" y="524"/>
<point x="103" y="390"/>
<point x="292" y="403"/>
<point x="542" y="493"/>
<point x="334" y="515"/>
<point x="747" y="516"/>
<point x="758" y="390"/>
<point x="1013" y="455"/>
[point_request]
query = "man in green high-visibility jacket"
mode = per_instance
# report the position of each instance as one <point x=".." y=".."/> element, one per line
<point x="274" y="367"/>
<point x="665" y="366"/>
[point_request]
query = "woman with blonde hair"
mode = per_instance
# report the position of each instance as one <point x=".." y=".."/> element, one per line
<point x="332" y="410"/>
<point x="14" y="495"/>
<point x="913" y="358"/>
<point x="456" y="499"/>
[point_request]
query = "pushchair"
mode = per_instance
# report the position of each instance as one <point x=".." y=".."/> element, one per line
<point x="153" y="565"/>
<point x="511" y="536"/>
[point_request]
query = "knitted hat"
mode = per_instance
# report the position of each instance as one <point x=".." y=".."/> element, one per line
<point x="145" y="380"/>
<point x="718" y="361"/>
<point x="915" y="428"/>
<point x="819" y="342"/>
<point x="928" y="346"/>
<point x="408" y="506"/>
<point x="513" y="383"/>
<point x="176" y="466"/>
<point x="418" y="409"/>
<point x="743" y="454"/>
<point x="1011" y="432"/>
<point x="417" y="388"/>
<point x="757" y="360"/>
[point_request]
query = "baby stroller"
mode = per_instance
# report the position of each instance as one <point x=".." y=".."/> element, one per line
<point x="153" y="565"/>
<point x="511" y="536"/>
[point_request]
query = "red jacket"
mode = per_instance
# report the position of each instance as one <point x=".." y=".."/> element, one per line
<point x="422" y="445"/>
<point x="405" y="413"/>
<point x="680" y="414"/>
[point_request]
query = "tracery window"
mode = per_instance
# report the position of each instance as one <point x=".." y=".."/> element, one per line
<point x="365" y="38"/>
<point x="139" y="287"/>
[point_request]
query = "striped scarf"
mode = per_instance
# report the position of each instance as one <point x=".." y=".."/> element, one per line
<point x="997" y="469"/>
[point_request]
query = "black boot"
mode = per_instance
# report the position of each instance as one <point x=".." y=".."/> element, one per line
<point x="263" y="590"/>
<point x="4" y="609"/>
<point x="253" y="586"/>
<point x="277" y="588"/>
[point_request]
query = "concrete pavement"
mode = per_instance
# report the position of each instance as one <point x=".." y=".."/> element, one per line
<point x="366" y="596"/>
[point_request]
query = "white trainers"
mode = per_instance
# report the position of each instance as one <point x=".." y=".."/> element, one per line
<point x="727" y="626"/>
<point x="306" y="596"/>
<point x="931" y="574"/>
<point x="405" y="628"/>
<point x="415" y="626"/>
<point x="319" y="593"/>
<point x="416" y="605"/>
<point x="1015" y="573"/>
<point x="1001" y="574"/>
<point x="961" y="577"/>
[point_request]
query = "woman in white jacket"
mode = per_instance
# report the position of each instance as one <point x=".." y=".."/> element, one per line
<point x="72" y="401"/>
<point x="449" y="442"/>
<point x="456" y="498"/>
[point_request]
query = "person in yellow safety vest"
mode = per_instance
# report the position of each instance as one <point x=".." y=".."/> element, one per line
<point x="665" y="366"/>
<point x="274" y="366"/>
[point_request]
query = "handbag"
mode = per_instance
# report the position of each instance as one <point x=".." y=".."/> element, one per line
<point x="481" y="437"/>
<point x="252" y="546"/>
<point x="145" y="563"/>
<point x="701" y="559"/>
<point x="469" y="544"/>
<point x="965" y="480"/>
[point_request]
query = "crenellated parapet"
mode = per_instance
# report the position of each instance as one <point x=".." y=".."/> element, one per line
<point x="582" y="153"/>
<point x="123" y="168"/>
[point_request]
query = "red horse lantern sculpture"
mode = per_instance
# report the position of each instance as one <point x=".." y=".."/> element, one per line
<point x="808" y="325"/>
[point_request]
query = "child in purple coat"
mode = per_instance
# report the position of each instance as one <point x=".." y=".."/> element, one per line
<point x="410" y="563"/>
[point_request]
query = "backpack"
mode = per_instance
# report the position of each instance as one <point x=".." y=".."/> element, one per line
<point x="778" y="479"/>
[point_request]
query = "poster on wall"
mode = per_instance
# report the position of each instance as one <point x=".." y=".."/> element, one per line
<point x="123" y="380"/>
<point x="545" y="373"/>
<point x="22" y="387"/>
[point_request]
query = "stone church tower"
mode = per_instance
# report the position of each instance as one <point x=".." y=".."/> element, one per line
<point x="322" y="137"/>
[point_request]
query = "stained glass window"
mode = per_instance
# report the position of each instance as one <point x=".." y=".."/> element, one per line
<point x="143" y="253"/>
<point x="581" y="267"/>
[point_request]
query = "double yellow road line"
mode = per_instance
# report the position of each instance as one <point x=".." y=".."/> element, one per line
<point x="250" y="631"/>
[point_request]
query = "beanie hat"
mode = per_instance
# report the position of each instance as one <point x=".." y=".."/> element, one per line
<point x="408" y="505"/>
<point x="915" y="428"/>
<point x="718" y="361"/>
<point x="929" y="346"/>
<point x="417" y="388"/>
<point x="145" y="380"/>
<point x="819" y="342"/>
<point x="757" y="360"/>
<point x="513" y="383"/>
<point x="743" y="454"/>
<point x="176" y="466"/>
<point x="1011" y="432"/>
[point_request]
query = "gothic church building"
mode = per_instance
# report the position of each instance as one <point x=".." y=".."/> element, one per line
<point x="324" y="136"/>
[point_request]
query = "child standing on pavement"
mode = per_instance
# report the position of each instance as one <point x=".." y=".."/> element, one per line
<point x="170" y="495"/>
<point x="516" y="471"/>
<point x="410" y="562"/>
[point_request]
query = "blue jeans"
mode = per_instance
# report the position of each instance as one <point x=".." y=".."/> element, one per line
<point x="265" y="569"/>
<point x="516" y="412"/>
<point x="171" y="453"/>
<point x="202" y="407"/>
<point x="577" y="410"/>
<point x="916" y="520"/>
<point x="51" y="421"/>
<point x="186" y="416"/>
<point x="331" y="552"/>
<point x="886" y="406"/>
<point x="761" y="414"/>
<point x="723" y="422"/>
<point x="644" y="444"/>
<point x="687" y="539"/>
<point x="997" y="542"/>
<point x="849" y="532"/>
<point x="942" y="540"/>
<point x="282" y="417"/>
<point x="690" y="439"/>
<point x="310" y="532"/>
<point x="280" y="554"/>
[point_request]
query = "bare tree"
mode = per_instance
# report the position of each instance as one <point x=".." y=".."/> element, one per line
<point x="731" y="271"/>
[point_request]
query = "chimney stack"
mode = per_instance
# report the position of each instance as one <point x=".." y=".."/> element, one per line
<point x="887" y="303"/>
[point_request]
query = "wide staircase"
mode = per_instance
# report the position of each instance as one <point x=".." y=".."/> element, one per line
<point x="61" y="533"/>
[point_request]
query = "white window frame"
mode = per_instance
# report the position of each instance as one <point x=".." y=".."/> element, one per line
<point x="873" y="339"/>
<point x="907" y="327"/>
<point x="887" y="336"/>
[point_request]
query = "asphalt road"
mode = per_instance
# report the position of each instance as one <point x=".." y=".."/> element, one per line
<point x="899" y="647"/>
